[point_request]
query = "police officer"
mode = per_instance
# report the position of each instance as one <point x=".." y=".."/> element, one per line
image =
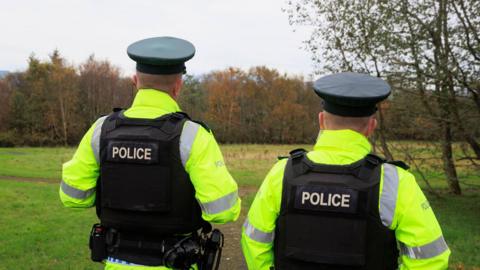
<point x="338" y="206"/>
<point x="156" y="176"/>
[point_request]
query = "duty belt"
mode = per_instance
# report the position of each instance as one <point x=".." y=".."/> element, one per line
<point x="118" y="240"/>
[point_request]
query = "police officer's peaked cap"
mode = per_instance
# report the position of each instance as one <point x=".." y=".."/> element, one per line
<point x="161" y="55"/>
<point x="351" y="94"/>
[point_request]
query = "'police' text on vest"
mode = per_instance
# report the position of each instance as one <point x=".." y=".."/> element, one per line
<point x="336" y="200"/>
<point x="132" y="152"/>
<point x="325" y="198"/>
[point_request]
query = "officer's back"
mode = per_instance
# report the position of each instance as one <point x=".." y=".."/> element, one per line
<point x="338" y="206"/>
<point x="156" y="176"/>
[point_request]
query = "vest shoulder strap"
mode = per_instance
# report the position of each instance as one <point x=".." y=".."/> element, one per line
<point x="298" y="158"/>
<point x="168" y="123"/>
<point x="371" y="162"/>
<point x="363" y="168"/>
<point x="185" y="115"/>
<point x="203" y="124"/>
<point x="117" y="109"/>
<point x="399" y="163"/>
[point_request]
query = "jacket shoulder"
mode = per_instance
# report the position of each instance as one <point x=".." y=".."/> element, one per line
<point x="399" y="163"/>
<point x="202" y="124"/>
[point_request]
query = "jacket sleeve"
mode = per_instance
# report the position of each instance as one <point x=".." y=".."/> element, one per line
<point x="79" y="175"/>
<point x="215" y="189"/>
<point x="404" y="208"/>
<point x="259" y="227"/>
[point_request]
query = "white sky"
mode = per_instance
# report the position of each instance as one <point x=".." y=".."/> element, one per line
<point x="240" y="33"/>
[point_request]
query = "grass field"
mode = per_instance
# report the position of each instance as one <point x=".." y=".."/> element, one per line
<point x="37" y="232"/>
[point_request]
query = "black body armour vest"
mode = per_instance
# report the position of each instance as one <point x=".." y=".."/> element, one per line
<point x="329" y="217"/>
<point x="143" y="187"/>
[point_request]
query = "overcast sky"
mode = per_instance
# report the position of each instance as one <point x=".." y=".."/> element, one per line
<point x="240" y="33"/>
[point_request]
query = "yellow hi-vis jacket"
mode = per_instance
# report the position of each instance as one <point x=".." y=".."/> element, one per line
<point x="402" y="206"/>
<point x="215" y="189"/>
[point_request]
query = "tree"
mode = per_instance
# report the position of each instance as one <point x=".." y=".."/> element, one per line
<point x="260" y="106"/>
<point x="99" y="83"/>
<point x="428" y="47"/>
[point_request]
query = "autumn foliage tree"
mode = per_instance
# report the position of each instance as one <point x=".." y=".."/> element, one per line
<point x="54" y="102"/>
<point x="259" y="106"/>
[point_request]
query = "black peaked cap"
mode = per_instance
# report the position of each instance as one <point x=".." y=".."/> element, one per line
<point x="351" y="94"/>
<point x="161" y="55"/>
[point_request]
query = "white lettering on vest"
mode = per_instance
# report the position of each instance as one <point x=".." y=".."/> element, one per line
<point x="346" y="200"/>
<point x="305" y="196"/>
<point x="122" y="152"/>
<point x="315" y="198"/>
<point x="335" y="199"/>
<point x="336" y="203"/>
<point x="148" y="154"/>
<point x="132" y="153"/>
<point x="322" y="202"/>
<point x="114" y="151"/>
<point x="129" y="154"/>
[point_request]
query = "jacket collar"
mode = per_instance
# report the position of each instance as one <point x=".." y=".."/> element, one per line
<point x="344" y="142"/>
<point x="151" y="98"/>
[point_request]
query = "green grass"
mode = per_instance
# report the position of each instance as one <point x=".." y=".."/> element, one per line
<point x="34" y="162"/>
<point x="459" y="217"/>
<point x="249" y="163"/>
<point x="37" y="232"/>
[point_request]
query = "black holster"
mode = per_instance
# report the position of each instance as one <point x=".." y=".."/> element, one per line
<point x="97" y="243"/>
<point x="212" y="251"/>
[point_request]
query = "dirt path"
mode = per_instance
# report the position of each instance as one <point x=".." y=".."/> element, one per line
<point x="232" y="257"/>
<point x="26" y="179"/>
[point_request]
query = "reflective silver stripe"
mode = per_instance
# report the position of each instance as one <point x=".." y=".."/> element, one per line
<point x="219" y="205"/>
<point x="75" y="192"/>
<point x="187" y="138"/>
<point x="429" y="250"/>
<point x="97" y="131"/>
<point x="388" y="199"/>
<point x="258" y="235"/>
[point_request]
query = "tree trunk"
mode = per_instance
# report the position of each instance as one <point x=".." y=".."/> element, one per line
<point x="465" y="134"/>
<point x="447" y="157"/>
<point x="443" y="95"/>
<point x="64" y="120"/>
<point x="383" y="140"/>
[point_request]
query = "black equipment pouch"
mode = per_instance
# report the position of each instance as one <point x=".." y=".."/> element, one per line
<point x="97" y="243"/>
<point x="183" y="254"/>
<point x="212" y="251"/>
